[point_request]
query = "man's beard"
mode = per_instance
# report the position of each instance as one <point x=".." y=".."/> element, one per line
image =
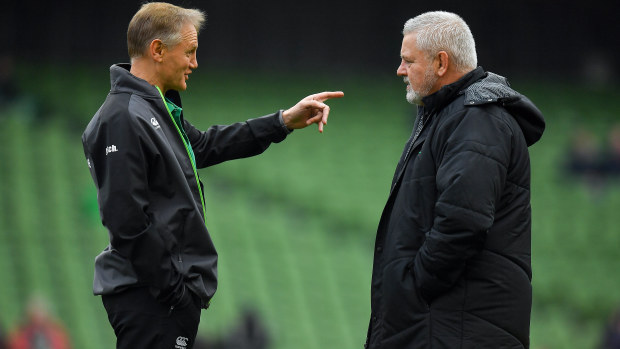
<point x="415" y="97"/>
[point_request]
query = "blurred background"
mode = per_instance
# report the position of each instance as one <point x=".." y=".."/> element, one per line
<point x="295" y="226"/>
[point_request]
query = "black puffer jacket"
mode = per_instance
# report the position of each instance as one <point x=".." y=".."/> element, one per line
<point x="452" y="254"/>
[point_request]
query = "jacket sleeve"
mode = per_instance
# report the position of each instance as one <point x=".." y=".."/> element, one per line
<point x="240" y="140"/>
<point x="473" y="155"/>
<point x="118" y="151"/>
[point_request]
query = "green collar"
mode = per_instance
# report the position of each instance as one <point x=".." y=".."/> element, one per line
<point x="175" y="113"/>
<point x="174" y="110"/>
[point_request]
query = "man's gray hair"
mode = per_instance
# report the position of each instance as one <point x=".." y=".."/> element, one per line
<point x="159" y="20"/>
<point x="444" y="31"/>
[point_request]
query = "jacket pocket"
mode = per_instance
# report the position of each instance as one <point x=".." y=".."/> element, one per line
<point x="415" y="203"/>
<point x="403" y="305"/>
<point x="181" y="239"/>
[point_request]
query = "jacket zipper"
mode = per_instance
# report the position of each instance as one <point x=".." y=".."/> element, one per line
<point x="202" y="200"/>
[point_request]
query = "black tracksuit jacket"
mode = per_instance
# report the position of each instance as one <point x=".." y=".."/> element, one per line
<point x="452" y="253"/>
<point x="149" y="193"/>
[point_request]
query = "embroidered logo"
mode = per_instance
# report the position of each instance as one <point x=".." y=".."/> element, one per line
<point x="155" y="123"/>
<point x="181" y="343"/>
<point x="110" y="149"/>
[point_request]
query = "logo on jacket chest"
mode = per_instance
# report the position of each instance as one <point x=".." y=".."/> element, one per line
<point x="155" y="123"/>
<point x="110" y="149"/>
<point x="181" y="342"/>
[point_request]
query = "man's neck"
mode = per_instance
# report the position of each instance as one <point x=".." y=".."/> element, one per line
<point x="451" y="77"/>
<point x="145" y="71"/>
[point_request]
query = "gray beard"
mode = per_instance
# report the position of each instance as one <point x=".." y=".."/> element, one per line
<point x="415" y="97"/>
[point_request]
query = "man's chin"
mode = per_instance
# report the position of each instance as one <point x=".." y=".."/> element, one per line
<point x="414" y="98"/>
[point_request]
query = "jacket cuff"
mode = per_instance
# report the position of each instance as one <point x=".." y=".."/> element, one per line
<point x="281" y="117"/>
<point x="269" y="127"/>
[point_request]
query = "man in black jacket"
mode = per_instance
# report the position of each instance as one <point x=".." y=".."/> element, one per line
<point x="452" y="253"/>
<point x="159" y="269"/>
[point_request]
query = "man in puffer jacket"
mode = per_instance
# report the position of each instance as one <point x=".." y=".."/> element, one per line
<point x="452" y="262"/>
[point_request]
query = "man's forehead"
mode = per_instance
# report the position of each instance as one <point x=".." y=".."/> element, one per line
<point x="409" y="44"/>
<point x="189" y="33"/>
<point x="410" y="39"/>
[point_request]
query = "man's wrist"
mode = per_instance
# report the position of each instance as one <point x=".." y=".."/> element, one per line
<point x="282" y="123"/>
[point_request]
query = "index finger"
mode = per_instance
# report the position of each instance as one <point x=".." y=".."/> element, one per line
<point x="323" y="96"/>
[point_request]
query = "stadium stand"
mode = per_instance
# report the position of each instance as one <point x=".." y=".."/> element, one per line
<point x="295" y="226"/>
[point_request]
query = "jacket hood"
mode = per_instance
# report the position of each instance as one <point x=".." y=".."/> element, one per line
<point x="495" y="89"/>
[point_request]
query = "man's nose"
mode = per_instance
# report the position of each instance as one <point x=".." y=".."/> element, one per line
<point x="401" y="71"/>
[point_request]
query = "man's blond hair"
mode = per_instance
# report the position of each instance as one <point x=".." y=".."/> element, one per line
<point x="159" y="20"/>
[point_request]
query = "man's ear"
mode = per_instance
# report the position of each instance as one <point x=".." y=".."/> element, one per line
<point x="156" y="50"/>
<point x="442" y="63"/>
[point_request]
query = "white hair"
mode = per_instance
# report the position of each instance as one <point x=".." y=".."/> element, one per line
<point x="444" y="31"/>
